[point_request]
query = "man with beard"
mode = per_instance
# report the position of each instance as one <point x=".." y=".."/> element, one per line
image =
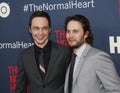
<point x="93" y="70"/>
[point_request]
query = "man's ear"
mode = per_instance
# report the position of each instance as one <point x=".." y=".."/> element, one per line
<point x="29" y="29"/>
<point x="49" y="30"/>
<point x="86" y="34"/>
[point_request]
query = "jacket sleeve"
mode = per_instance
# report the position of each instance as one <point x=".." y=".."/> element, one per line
<point x="107" y="73"/>
<point x="21" y="83"/>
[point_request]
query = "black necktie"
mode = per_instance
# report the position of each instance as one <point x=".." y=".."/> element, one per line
<point x="71" y="73"/>
<point x="41" y="65"/>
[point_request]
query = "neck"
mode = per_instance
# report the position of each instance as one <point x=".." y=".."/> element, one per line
<point x="42" y="45"/>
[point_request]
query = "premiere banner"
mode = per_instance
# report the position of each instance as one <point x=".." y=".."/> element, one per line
<point x="104" y="16"/>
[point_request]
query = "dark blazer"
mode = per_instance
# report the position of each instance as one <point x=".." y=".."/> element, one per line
<point x="28" y="73"/>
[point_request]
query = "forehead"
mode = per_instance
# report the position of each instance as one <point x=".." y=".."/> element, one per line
<point x="74" y="24"/>
<point x="39" y="21"/>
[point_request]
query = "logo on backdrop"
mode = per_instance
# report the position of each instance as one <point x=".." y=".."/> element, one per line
<point x="12" y="70"/>
<point x="4" y="10"/>
<point x="70" y="4"/>
<point x="60" y="37"/>
<point x="15" y="45"/>
<point x="114" y="44"/>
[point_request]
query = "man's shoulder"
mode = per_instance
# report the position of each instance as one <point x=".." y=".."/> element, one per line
<point x="60" y="48"/>
<point x="93" y="51"/>
<point x="27" y="50"/>
<point x="56" y="44"/>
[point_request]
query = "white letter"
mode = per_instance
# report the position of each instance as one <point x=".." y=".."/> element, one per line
<point x="114" y="44"/>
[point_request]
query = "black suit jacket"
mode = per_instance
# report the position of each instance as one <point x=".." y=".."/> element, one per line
<point x="28" y="74"/>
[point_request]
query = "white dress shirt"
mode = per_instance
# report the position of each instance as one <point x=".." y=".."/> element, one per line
<point x="78" y="52"/>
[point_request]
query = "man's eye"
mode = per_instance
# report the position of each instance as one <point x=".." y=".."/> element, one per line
<point x="67" y="31"/>
<point x="45" y="28"/>
<point x="35" y="28"/>
<point x="75" y="31"/>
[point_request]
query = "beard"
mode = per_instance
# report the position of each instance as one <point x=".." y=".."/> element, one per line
<point x="77" y="44"/>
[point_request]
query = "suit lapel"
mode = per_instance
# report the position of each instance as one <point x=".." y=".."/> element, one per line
<point x="80" y="63"/>
<point x="33" y="63"/>
<point x="52" y="60"/>
<point x="66" y="79"/>
<point x="78" y="69"/>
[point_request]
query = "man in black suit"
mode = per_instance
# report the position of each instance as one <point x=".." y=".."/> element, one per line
<point x="50" y="78"/>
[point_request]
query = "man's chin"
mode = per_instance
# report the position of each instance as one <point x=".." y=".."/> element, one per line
<point x="73" y="46"/>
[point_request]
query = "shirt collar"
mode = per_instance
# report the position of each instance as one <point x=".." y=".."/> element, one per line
<point x="80" y="50"/>
<point x="46" y="48"/>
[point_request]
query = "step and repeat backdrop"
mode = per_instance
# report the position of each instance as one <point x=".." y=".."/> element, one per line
<point x="104" y="16"/>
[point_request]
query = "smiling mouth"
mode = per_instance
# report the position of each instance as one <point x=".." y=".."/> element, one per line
<point x="40" y="38"/>
<point x="71" y="40"/>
